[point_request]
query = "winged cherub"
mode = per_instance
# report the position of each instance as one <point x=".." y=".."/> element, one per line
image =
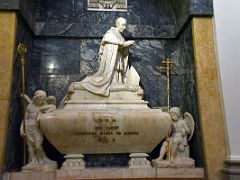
<point x="182" y="132"/>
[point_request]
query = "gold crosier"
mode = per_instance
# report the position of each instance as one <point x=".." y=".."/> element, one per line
<point x="167" y="69"/>
<point x="21" y="49"/>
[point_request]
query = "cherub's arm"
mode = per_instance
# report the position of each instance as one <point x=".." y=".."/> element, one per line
<point x="22" y="128"/>
<point x="26" y="98"/>
<point x="48" y="108"/>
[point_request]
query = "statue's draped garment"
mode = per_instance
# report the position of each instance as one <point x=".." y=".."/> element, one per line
<point x="113" y="60"/>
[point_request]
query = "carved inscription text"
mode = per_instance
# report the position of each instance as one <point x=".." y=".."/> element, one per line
<point x="107" y="5"/>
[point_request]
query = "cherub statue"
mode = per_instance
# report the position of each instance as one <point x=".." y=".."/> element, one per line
<point x="32" y="132"/>
<point x="182" y="132"/>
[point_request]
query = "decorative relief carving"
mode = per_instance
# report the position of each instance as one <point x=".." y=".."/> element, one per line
<point x="107" y="5"/>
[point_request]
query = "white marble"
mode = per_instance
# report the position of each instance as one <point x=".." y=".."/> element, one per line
<point x="175" y="147"/>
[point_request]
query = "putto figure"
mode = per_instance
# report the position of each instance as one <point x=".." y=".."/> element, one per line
<point x="114" y="71"/>
<point x="182" y="131"/>
<point x="32" y="132"/>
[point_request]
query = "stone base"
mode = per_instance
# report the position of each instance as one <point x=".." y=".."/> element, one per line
<point x="40" y="167"/>
<point x="110" y="173"/>
<point x="138" y="160"/>
<point x="74" y="161"/>
<point x="178" y="163"/>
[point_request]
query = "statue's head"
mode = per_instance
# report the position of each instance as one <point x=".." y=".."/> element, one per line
<point x="39" y="97"/>
<point x="121" y="24"/>
<point x="175" y="113"/>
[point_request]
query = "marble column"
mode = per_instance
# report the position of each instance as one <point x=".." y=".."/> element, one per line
<point x="209" y="96"/>
<point x="8" y="21"/>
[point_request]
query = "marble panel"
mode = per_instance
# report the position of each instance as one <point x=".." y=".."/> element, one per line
<point x="3" y="131"/>
<point x="209" y="97"/>
<point x="201" y="7"/>
<point x="89" y="62"/>
<point x="27" y="9"/>
<point x="9" y="4"/>
<point x="190" y="96"/>
<point x="56" y="85"/>
<point x="8" y="22"/>
<point x="5" y="84"/>
<point x="146" y="57"/>
<point x="185" y="9"/>
<point x="190" y="100"/>
<point x="181" y="12"/>
<point x="145" y="53"/>
<point x="14" y="146"/>
<point x="153" y="19"/>
<point x="107" y="160"/>
<point x="60" y="56"/>
<point x="174" y="53"/>
<point x="34" y="66"/>
<point x="71" y="18"/>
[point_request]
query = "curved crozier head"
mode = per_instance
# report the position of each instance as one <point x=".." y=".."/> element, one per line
<point x="121" y="24"/>
<point x="39" y="97"/>
<point x="175" y="113"/>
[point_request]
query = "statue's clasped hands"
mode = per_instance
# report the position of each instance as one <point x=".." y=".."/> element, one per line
<point x="128" y="43"/>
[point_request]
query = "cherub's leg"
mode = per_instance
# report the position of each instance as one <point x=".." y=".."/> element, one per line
<point x="163" y="150"/>
<point x="31" y="150"/>
<point x="39" y="151"/>
<point x="174" y="147"/>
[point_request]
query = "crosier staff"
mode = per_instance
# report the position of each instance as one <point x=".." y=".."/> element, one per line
<point x="167" y="69"/>
<point x="21" y="49"/>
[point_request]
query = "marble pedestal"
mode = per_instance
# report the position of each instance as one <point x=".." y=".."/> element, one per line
<point x="74" y="161"/>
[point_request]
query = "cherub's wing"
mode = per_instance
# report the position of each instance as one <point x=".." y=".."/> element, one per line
<point x="190" y="123"/>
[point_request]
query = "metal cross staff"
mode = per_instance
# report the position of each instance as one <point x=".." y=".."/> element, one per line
<point x="167" y="69"/>
<point x="21" y="49"/>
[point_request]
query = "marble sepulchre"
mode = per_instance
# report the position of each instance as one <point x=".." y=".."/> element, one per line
<point x="110" y="106"/>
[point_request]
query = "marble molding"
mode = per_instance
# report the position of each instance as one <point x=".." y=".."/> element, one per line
<point x="8" y="22"/>
<point x="210" y="105"/>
